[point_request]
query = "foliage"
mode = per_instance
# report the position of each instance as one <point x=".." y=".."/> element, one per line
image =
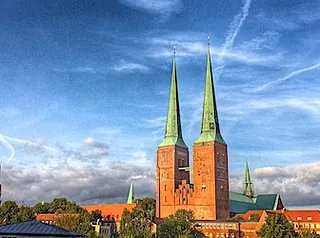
<point x="67" y="221"/>
<point x="10" y="212"/>
<point x="135" y="224"/>
<point x="254" y="217"/>
<point x="148" y="204"/>
<point x="180" y="225"/>
<point x="96" y="215"/>
<point x="276" y="225"/>
<point x="303" y="233"/>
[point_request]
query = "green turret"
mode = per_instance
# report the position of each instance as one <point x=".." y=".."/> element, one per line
<point x="210" y="129"/>
<point x="173" y="133"/>
<point x="247" y="188"/>
<point x="131" y="194"/>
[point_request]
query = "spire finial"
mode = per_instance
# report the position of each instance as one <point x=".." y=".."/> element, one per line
<point x="174" y="50"/>
<point x="208" y="41"/>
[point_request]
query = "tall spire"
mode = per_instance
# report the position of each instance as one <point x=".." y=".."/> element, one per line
<point x="173" y="133"/>
<point x="131" y="194"/>
<point x="247" y="188"/>
<point x="210" y="129"/>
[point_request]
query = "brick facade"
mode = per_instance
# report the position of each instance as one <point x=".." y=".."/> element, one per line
<point x="208" y="196"/>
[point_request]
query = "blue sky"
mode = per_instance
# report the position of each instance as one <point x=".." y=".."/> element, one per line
<point x="84" y="92"/>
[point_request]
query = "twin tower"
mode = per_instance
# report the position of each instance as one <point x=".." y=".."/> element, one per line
<point x="208" y="196"/>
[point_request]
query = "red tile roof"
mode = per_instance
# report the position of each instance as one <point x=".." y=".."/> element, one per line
<point x="303" y="215"/>
<point x="110" y="210"/>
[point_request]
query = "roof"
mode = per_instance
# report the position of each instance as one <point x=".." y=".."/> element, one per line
<point x="240" y="203"/>
<point x="173" y="132"/>
<point x="52" y="216"/>
<point x="247" y="215"/>
<point x="113" y="210"/>
<point x="210" y="129"/>
<point x="36" y="228"/>
<point x="303" y="215"/>
<point x="130" y="194"/>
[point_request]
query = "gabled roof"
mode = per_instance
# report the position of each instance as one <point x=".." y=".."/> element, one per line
<point x="36" y="228"/>
<point x="240" y="203"/>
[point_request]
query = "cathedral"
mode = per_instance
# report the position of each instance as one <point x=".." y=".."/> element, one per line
<point x="208" y="196"/>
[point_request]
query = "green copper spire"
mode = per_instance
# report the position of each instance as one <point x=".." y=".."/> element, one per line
<point x="247" y="190"/>
<point x="210" y="130"/>
<point x="131" y="194"/>
<point x="173" y="134"/>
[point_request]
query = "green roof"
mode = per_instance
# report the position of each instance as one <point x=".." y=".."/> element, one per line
<point x="130" y="199"/>
<point x="240" y="203"/>
<point x="247" y="190"/>
<point x="210" y="129"/>
<point x="173" y="133"/>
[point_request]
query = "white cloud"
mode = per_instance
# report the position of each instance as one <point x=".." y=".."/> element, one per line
<point x="285" y="78"/>
<point x="124" y="66"/>
<point x="234" y="28"/>
<point x="298" y="185"/>
<point x="188" y="49"/>
<point x="154" y="6"/>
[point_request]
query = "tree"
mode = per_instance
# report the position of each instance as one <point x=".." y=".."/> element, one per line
<point x="179" y="225"/>
<point x="67" y="221"/>
<point x="254" y="217"/>
<point x="276" y="225"/>
<point x="303" y="233"/>
<point x="8" y="212"/>
<point x="148" y="204"/>
<point x="25" y="214"/>
<point x="135" y="224"/>
<point x="41" y="208"/>
<point x="96" y="215"/>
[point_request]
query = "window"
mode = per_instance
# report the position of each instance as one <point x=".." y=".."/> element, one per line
<point x="298" y="218"/>
<point x="165" y="187"/>
<point x="309" y="218"/>
<point x="165" y="198"/>
<point x="203" y="187"/>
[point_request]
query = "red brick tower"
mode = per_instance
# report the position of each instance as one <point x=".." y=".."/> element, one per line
<point x="210" y="160"/>
<point x="172" y="154"/>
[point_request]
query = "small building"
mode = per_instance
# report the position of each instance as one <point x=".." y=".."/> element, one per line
<point x="34" y="229"/>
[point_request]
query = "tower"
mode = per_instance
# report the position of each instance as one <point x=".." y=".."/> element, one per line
<point x="247" y="184"/>
<point x="210" y="159"/>
<point x="172" y="153"/>
<point x="130" y="199"/>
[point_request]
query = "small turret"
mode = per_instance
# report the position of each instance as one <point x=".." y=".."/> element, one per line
<point x="247" y="188"/>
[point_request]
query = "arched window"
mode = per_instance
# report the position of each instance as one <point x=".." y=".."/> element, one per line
<point x="165" y="187"/>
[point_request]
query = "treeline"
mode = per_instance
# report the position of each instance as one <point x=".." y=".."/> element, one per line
<point x="10" y="212"/>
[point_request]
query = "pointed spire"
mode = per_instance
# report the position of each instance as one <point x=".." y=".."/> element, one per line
<point x="210" y="129"/>
<point x="173" y="133"/>
<point x="131" y="194"/>
<point x="247" y="189"/>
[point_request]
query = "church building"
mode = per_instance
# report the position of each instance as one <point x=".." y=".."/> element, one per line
<point x="208" y="196"/>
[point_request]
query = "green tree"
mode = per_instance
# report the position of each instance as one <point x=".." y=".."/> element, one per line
<point x="8" y="212"/>
<point x="42" y="208"/>
<point x="135" y="224"/>
<point x="303" y="233"/>
<point x="25" y="214"/>
<point x="179" y="225"/>
<point x="276" y="225"/>
<point x="254" y="217"/>
<point x="96" y="215"/>
<point x="148" y="204"/>
<point x="67" y="221"/>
